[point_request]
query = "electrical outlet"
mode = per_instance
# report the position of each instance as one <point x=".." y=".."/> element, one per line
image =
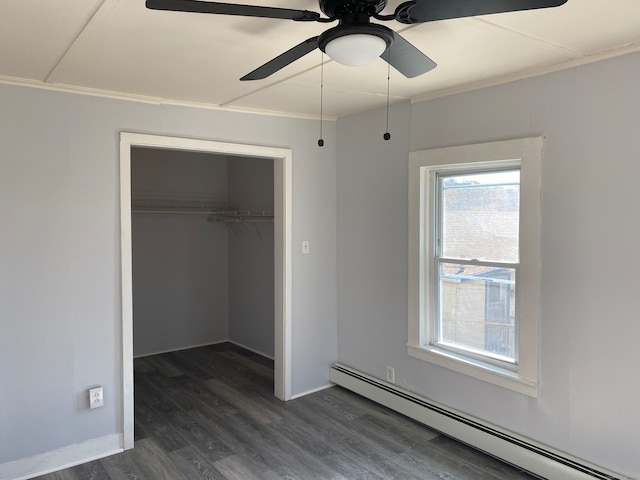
<point x="391" y="374"/>
<point x="96" y="397"/>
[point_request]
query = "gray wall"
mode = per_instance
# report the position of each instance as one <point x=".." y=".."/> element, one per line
<point x="251" y="274"/>
<point x="180" y="262"/>
<point x="589" y="392"/>
<point x="60" y="304"/>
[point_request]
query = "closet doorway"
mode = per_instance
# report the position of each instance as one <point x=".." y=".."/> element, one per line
<point x="140" y="146"/>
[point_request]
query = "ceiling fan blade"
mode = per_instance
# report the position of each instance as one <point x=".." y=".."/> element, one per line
<point x="431" y="10"/>
<point x="283" y="60"/>
<point x="197" y="6"/>
<point x="406" y="58"/>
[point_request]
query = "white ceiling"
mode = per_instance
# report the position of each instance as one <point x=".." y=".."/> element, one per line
<point x="118" y="47"/>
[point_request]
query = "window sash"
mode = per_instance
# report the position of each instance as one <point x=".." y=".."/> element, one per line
<point x="435" y="337"/>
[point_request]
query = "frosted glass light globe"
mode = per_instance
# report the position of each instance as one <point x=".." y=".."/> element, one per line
<point x="356" y="49"/>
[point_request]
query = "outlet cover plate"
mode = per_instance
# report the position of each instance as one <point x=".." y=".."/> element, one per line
<point x="391" y="374"/>
<point x="96" y="397"/>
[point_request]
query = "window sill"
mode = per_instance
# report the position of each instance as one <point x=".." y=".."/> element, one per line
<point x="481" y="371"/>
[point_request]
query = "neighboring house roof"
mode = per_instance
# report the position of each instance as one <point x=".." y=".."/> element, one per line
<point x="483" y="226"/>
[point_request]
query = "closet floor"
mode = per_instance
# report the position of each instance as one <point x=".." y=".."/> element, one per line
<point x="209" y="413"/>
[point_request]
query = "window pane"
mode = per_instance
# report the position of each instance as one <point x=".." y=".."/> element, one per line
<point x="480" y="216"/>
<point x="477" y="309"/>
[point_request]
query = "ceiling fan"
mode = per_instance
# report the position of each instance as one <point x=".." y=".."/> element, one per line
<point x="355" y="40"/>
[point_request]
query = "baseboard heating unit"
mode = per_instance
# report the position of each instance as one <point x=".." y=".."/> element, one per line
<point x="524" y="453"/>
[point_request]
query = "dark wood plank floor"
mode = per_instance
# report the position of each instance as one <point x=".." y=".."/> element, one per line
<point x="209" y="413"/>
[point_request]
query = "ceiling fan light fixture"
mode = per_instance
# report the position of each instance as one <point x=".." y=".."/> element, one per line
<point x="356" y="44"/>
<point x="356" y="49"/>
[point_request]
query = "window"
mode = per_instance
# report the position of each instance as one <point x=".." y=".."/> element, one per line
<point x="474" y="260"/>
<point x="475" y="264"/>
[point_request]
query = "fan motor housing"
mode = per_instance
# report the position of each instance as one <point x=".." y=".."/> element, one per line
<point x="339" y="8"/>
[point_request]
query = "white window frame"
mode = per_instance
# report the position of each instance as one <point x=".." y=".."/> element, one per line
<point x="423" y="165"/>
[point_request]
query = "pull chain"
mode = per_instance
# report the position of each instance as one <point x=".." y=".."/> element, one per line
<point x="321" y="140"/>
<point x="387" y="135"/>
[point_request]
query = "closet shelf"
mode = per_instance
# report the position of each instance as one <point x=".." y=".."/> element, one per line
<point x="214" y="214"/>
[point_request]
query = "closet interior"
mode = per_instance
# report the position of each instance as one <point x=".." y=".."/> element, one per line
<point x="203" y="250"/>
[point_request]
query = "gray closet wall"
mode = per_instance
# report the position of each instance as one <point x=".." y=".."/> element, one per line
<point x="251" y="267"/>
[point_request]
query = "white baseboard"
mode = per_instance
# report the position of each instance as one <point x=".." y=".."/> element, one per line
<point x="178" y="349"/>
<point x="189" y="347"/>
<point x="262" y="354"/>
<point x="63" y="458"/>
<point x="515" y="449"/>
<point x="309" y="392"/>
